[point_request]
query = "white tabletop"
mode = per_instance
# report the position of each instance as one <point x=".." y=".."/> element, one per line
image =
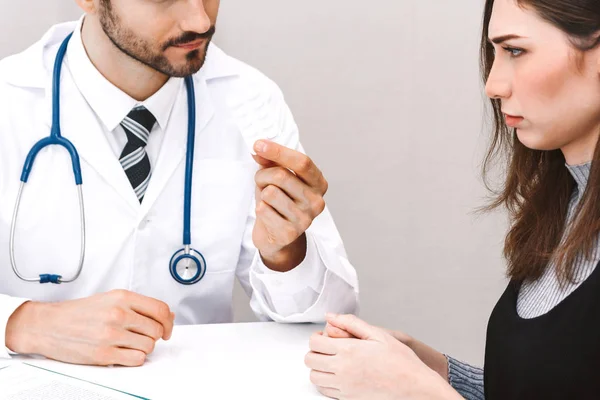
<point x="229" y="361"/>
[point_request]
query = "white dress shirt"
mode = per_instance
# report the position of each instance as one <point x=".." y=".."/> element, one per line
<point x="111" y="105"/>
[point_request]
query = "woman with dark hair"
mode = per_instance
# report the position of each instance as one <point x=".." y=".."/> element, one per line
<point x="541" y="66"/>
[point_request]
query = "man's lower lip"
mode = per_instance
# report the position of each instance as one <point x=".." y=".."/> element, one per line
<point x="191" y="46"/>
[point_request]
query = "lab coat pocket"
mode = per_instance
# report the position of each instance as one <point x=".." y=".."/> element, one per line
<point x="222" y="195"/>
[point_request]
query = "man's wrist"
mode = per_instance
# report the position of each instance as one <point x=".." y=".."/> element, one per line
<point x="287" y="258"/>
<point x="20" y="329"/>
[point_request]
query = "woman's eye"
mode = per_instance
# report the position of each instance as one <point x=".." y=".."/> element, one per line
<point x="514" y="52"/>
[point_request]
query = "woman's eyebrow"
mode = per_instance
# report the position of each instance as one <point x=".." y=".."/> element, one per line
<point x="504" y="38"/>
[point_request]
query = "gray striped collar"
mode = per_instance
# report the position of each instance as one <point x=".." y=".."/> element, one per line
<point x="580" y="173"/>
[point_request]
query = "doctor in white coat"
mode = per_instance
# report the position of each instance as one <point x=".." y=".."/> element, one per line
<point x="258" y="218"/>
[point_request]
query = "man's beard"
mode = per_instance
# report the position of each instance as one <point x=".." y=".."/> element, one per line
<point x="142" y="51"/>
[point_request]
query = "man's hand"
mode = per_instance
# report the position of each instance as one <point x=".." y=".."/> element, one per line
<point x="115" y="328"/>
<point x="289" y="196"/>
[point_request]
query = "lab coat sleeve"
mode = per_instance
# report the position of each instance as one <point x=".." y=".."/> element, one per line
<point x="8" y="305"/>
<point x="324" y="282"/>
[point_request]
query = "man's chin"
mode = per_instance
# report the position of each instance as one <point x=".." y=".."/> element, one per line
<point x="185" y="71"/>
<point x="192" y="64"/>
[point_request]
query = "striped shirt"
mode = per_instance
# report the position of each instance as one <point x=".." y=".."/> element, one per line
<point x="536" y="297"/>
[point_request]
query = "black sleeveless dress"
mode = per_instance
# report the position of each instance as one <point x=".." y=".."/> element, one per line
<point x="553" y="356"/>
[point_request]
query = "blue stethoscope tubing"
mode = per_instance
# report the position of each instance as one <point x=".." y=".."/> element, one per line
<point x="187" y="266"/>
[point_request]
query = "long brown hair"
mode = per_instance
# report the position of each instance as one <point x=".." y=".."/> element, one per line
<point x="538" y="187"/>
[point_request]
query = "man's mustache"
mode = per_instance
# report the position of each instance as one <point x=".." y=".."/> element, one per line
<point x="189" y="37"/>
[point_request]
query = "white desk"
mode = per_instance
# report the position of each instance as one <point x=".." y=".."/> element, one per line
<point x="260" y="361"/>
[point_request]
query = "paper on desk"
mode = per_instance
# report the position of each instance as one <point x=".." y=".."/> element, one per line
<point x="26" y="382"/>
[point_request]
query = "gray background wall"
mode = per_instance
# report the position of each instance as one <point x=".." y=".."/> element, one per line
<point x="389" y="103"/>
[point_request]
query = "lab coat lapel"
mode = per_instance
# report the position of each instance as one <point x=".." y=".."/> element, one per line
<point x="80" y="125"/>
<point x="174" y="145"/>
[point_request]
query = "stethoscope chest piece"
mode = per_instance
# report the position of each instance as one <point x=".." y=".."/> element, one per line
<point x="187" y="266"/>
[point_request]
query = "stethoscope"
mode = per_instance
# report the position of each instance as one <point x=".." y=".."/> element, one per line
<point x="187" y="266"/>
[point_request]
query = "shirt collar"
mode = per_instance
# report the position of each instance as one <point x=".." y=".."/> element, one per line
<point x="110" y="103"/>
<point x="581" y="174"/>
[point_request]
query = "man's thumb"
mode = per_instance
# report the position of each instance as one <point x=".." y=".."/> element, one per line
<point x="353" y="325"/>
<point x="263" y="162"/>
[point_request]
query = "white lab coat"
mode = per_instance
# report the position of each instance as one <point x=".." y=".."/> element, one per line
<point x="129" y="245"/>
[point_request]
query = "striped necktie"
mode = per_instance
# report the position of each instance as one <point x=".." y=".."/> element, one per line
<point x="134" y="159"/>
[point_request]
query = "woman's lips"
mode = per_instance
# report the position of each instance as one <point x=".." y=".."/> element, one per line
<point x="512" y="120"/>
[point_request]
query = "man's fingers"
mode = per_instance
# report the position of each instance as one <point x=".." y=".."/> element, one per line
<point x="298" y="162"/>
<point x="263" y="162"/>
<point x="154" y="309"/>
<point x="144" y="326"/>
<point x="320" y="362"/>
<point x="134" y="341"/>
<point x="329" y="392"/>
<point x="307" y="200"/>
<point x="118" y="356"/>
<point x="273" y="221"/>
<point x="323" y="379"/>
<point x="283" y="179"/>
<point x="128" y="358"/>
<point x="285" y="206"/>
